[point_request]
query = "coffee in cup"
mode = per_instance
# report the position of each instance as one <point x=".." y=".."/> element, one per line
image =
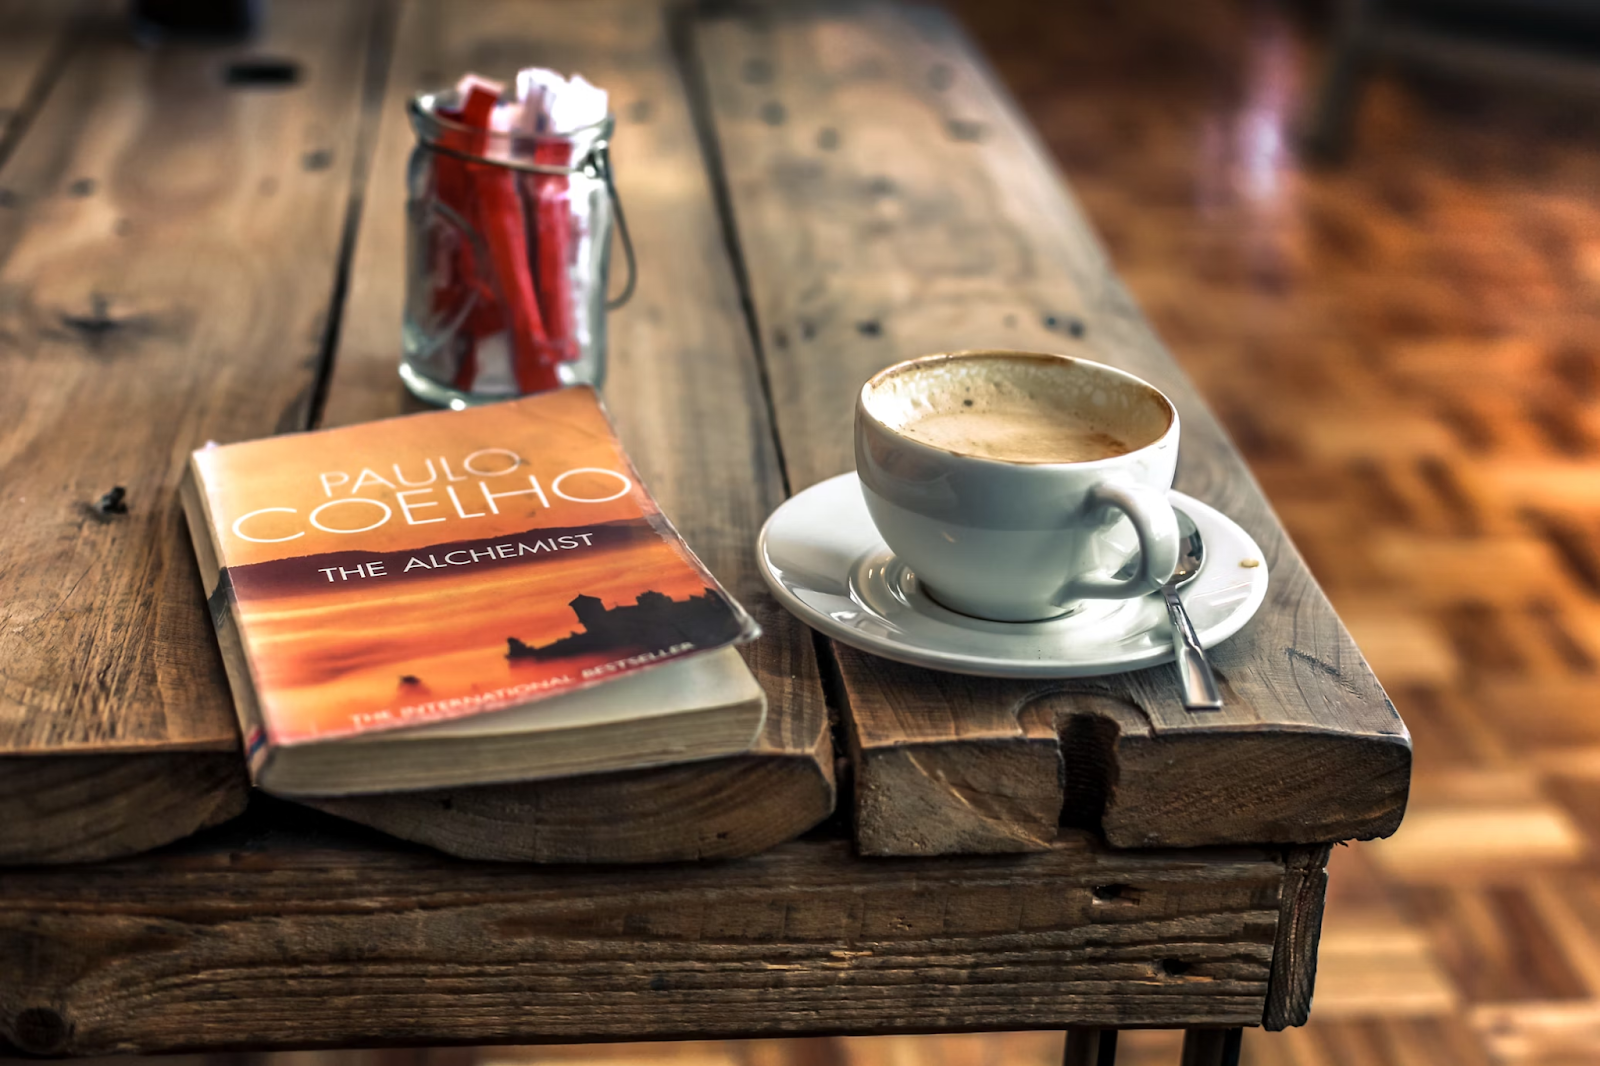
<point x="1015" y="485"/>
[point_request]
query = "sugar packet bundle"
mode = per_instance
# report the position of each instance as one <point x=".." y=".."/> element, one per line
<point x="505" y="173"/>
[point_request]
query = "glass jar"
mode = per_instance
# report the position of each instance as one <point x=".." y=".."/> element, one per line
<point x="508" y="245"/>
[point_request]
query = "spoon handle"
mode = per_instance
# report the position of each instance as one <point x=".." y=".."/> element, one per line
<point x="1194" y="669"/>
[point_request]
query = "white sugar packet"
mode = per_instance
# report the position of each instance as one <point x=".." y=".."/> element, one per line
<point x="552" y="104"/>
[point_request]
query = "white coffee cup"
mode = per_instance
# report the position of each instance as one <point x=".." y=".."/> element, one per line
<point x="1016" y="485"/>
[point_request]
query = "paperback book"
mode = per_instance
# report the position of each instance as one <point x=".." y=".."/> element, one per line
<point x="461" y="597"/>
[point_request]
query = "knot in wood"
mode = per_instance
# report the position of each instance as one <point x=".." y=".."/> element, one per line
<point x="40" y="1031"/>
<point x="264" y="72"/>
<point x="97" y="322"/>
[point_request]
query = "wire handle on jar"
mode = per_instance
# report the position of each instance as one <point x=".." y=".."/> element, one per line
<point x="599" y="159"/>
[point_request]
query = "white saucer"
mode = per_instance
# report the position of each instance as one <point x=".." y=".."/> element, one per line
<point x="824" y="560"/>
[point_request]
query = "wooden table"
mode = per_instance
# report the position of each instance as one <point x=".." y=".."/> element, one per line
<point x="205" y="242"/>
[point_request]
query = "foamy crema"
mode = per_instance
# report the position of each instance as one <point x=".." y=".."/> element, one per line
<point x="1019" y="408"/>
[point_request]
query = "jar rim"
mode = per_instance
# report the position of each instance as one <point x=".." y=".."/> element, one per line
<point x="425" y="106"/>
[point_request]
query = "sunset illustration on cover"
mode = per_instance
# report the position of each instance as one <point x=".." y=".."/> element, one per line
<point x="448" y="563"/>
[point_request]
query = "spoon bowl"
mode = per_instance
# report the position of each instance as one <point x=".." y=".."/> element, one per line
<point x="1191" y="550"/>
<point x="1198" y="683"/>
<point x="1191" y="554"/>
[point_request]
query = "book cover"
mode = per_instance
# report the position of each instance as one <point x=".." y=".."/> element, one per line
<point x="438" y="565"/>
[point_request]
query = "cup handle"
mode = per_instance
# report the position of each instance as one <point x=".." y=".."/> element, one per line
<point x="1157" y="527"/>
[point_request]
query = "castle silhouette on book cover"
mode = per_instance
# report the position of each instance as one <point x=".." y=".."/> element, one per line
<point x="653" y="621"/>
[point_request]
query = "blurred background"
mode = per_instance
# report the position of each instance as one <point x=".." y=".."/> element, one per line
<point x="1404" y="340"/>
<point x="1371" y="233"/>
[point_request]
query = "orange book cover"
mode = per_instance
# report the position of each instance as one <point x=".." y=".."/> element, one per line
<point x="442" y="564"/>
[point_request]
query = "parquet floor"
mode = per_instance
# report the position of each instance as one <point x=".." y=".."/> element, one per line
<point x="1408" y="350"/>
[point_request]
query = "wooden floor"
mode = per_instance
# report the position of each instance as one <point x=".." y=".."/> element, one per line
<point x="1408" y="351"/>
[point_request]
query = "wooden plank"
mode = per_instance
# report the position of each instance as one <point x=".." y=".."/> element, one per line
<point x="685" y="392"/>
<point x="76" y="808"/>
<point x="1294" y="956"/>
<point x="166" y="270"/>
<point x="264" y="938"/>
<point x="33" y="36"/>
<point x="889" y="202"/>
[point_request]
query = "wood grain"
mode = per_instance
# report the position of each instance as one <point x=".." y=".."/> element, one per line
<point x="889" y="201"/>
<point x="79" y="808"/>
<point x="685" y="393"/>
<point x="721" y="809"/>
<point x="165" y="276"/>
<point x="259" y="938"/>
<point x="1294" y="956"/>
<point x="33" y="35"/>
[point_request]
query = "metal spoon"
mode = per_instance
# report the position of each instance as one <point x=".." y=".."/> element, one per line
<point x="1194" y="669"/>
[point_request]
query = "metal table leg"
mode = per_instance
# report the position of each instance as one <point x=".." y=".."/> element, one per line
<point x="1211" y="1047"/>
<point x="1091" y="1047"/>
<point x="1327" y="136"/>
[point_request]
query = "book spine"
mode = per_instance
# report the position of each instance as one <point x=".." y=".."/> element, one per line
<point x="224" y="617"/>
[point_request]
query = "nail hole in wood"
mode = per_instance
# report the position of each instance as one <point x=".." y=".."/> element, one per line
<point x="1108" y="893"/>
<point x="108" y="506"/>
<point x="113" y="502"/>
<point x="261" y="72"/>
<point x="1068" y="324"/>
<point x="1175" y="967"/>
<point x="963" y="130"/>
